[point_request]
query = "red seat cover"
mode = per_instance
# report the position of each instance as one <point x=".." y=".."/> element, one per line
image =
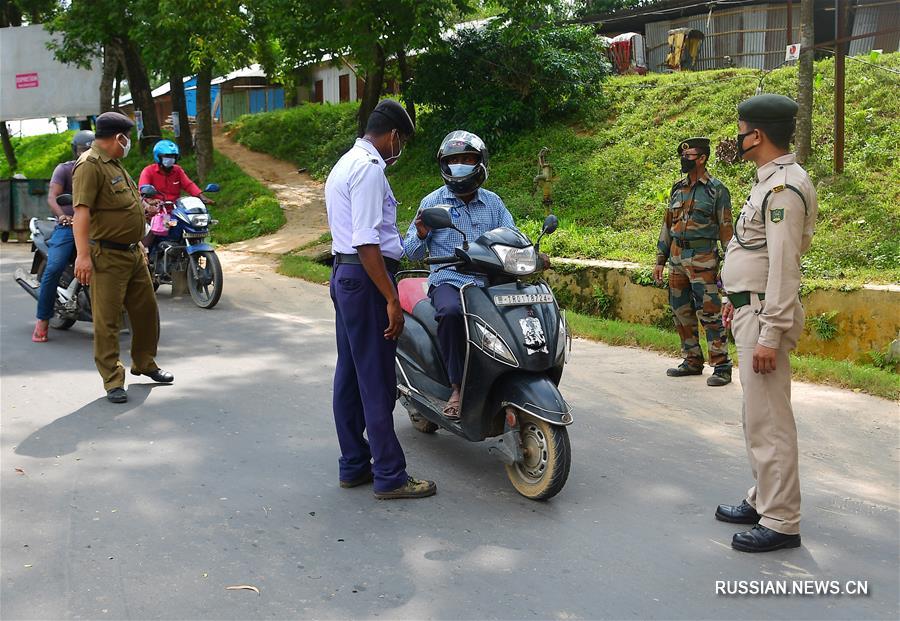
<point x="412" y="291"/>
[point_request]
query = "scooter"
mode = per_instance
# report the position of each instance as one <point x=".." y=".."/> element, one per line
<point x="516" y="348"/>
<point x="184" y="248"/>
<point x="73" y="300"/>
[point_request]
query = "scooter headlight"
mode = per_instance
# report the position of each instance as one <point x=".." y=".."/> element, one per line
<point x="491" y="343"/>
<point x="200" y="219"/>
<point x="517" y="261"/>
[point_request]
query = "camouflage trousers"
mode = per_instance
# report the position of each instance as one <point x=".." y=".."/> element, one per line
<point x="693" y="292"/>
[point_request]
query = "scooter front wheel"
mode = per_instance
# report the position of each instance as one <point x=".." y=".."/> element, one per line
<point x="547" y="457"/>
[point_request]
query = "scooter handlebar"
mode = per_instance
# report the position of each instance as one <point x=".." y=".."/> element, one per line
<point x="439" y="260"/>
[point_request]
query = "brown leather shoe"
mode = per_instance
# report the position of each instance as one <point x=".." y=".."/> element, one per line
<point x="413" y="488"/>
<point x="360" y="480"/>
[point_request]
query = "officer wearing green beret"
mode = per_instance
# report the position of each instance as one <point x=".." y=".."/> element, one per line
<point x="698" y="219"/>
<point x="108" y="227"/>
<point x="762" y="277"/>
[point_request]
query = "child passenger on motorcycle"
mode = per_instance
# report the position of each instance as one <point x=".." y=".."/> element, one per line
<point x="169" y="179"/>
<point x="463" y="160"/>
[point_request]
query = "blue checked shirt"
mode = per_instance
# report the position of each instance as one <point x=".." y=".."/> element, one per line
<point x="485" y="213"/>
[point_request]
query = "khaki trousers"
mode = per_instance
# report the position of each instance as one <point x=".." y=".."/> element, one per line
<point x="769" y="429"/>
<point x="121" y="280"/>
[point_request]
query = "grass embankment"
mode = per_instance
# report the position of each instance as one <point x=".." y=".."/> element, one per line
<point x="245" y="208"/>
<point x="616" y="162"/>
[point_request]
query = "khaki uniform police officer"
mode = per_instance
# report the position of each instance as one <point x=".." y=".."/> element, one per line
<point x="762" y="278"/>
<point x="108" y="226"/>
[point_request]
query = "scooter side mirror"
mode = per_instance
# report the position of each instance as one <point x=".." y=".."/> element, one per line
<point x="437" y="217"/>
<point x="211" y="187"/>
<point x="148" y="190"/>
<point x="551" y="223"/>
<point x="64" y="199"/>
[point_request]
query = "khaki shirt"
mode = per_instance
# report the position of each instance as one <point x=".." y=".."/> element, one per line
<point x="774" y="229"/>
<point x="100" y="183"/>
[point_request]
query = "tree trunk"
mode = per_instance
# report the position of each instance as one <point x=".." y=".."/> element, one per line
<point x="141" y="93"/>
<point x="118" y="90"/>
<point x="204" y="123"/>
<point x="374" y="81"/>
<point x="406" y="83"/>
<point x="111" y="62"/>
<point x="8" y="148"/>
<point x="179" y="105"/>
<point x="805" y="81"/>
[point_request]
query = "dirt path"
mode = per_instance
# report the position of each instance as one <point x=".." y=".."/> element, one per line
<point x="301" y="198"/>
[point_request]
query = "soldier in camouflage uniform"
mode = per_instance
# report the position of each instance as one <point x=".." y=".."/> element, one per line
<point x="698" y="218"/>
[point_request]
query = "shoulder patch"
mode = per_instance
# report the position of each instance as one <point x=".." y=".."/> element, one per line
<point x="776" y="215"/>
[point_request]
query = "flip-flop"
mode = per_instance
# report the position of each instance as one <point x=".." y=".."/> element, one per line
<point x="451" y="412"/>
<point x="37" y="336"/>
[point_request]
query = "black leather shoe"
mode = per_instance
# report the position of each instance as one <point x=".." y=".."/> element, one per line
<point x="157" y="375"/>
<point x="720" y="377"/>
<point x="117" y="395"/>
<point x="762" y="539"/>
<point x="737" y="514"/>
<point x="360" y="480"/>
<point x="683" y="370"/>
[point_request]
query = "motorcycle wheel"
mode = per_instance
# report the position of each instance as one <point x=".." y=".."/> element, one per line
<point x="548" y="456"/>
<point x="421" y="424"/>
<point x="205" y="295"/>
<point x="57" y="322"/>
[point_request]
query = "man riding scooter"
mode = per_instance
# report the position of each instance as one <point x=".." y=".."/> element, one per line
<point x="61" y="244"/>
<point x="463" y="162"/>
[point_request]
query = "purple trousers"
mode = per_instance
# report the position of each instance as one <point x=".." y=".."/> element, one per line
<point x="451" y="329"/>
<point x="365" y="381"/>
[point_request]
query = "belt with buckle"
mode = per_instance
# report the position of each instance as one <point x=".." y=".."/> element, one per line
<point x="742" y="298"/>
<point x="353" y="259"/>
<point x="695" y="244"/>
<point x="103" y="243"/>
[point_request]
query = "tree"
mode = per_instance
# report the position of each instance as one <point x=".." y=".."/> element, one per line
<point x="87" y="27"/>
<point x="805" y="81"/>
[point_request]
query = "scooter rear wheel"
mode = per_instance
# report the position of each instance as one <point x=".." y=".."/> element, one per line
<point x="547" y="458"/>
<point x="422" y="424"/>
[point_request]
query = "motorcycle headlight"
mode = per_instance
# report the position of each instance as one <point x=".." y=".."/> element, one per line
<point x="493" y="345"/>
<point x="518" y="261"/>
<point x="200" y="219"/>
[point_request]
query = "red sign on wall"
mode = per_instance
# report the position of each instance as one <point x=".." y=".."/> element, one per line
<point x="27" y="80"/>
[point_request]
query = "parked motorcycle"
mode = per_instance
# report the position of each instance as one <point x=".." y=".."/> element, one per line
<point x="183" y="248"/>
<point x="516" y="348"/>
<point x="73" y="300"/>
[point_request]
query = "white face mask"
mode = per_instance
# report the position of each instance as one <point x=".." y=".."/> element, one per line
<point x="393" y="158"/>
<point x="125" y="147"/>
<point x="168" y="162"/>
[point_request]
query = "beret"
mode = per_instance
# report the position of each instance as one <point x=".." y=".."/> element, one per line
<point x="397" y="114"/>
<point x="112" y="123"/>
<point x="767" y="108"/>
<point x="693" y="143"/>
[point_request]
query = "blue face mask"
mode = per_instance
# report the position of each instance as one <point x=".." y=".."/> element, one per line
<point x="461" y="170"/>
<point x="168" y="162"/>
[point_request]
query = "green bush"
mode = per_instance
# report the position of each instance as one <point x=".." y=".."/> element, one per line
<point x="311" y="136"/>
<point x="39" y="155"/>
<point x="498" y="80"/>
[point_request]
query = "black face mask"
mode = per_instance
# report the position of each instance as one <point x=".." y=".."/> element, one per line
<point x="687" y="165"/>
<point x="740" y="144"/>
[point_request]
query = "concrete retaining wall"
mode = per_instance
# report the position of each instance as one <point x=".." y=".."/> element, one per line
<point x="861" y="320"/>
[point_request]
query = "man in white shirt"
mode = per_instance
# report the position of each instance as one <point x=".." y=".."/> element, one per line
<point x="362" y="215"/>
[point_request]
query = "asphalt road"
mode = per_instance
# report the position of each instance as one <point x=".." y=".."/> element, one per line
<point x="149" y="510"/>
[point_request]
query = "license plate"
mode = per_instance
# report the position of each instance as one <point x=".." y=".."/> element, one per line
<point x="523" y="299"/>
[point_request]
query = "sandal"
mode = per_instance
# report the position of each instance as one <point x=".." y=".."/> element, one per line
<point x="451" y="412"/>
<point x="39" y="336"/>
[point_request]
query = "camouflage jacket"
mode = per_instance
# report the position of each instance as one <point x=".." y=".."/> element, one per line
<point x="701" y="212"/>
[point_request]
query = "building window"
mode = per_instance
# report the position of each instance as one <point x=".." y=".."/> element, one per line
<point x="319" y="92"/>
<point x="344" y="87"/>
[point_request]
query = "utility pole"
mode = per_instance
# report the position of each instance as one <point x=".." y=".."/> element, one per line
<point x="840" y="27"/>
<point x="805" y="79"/>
